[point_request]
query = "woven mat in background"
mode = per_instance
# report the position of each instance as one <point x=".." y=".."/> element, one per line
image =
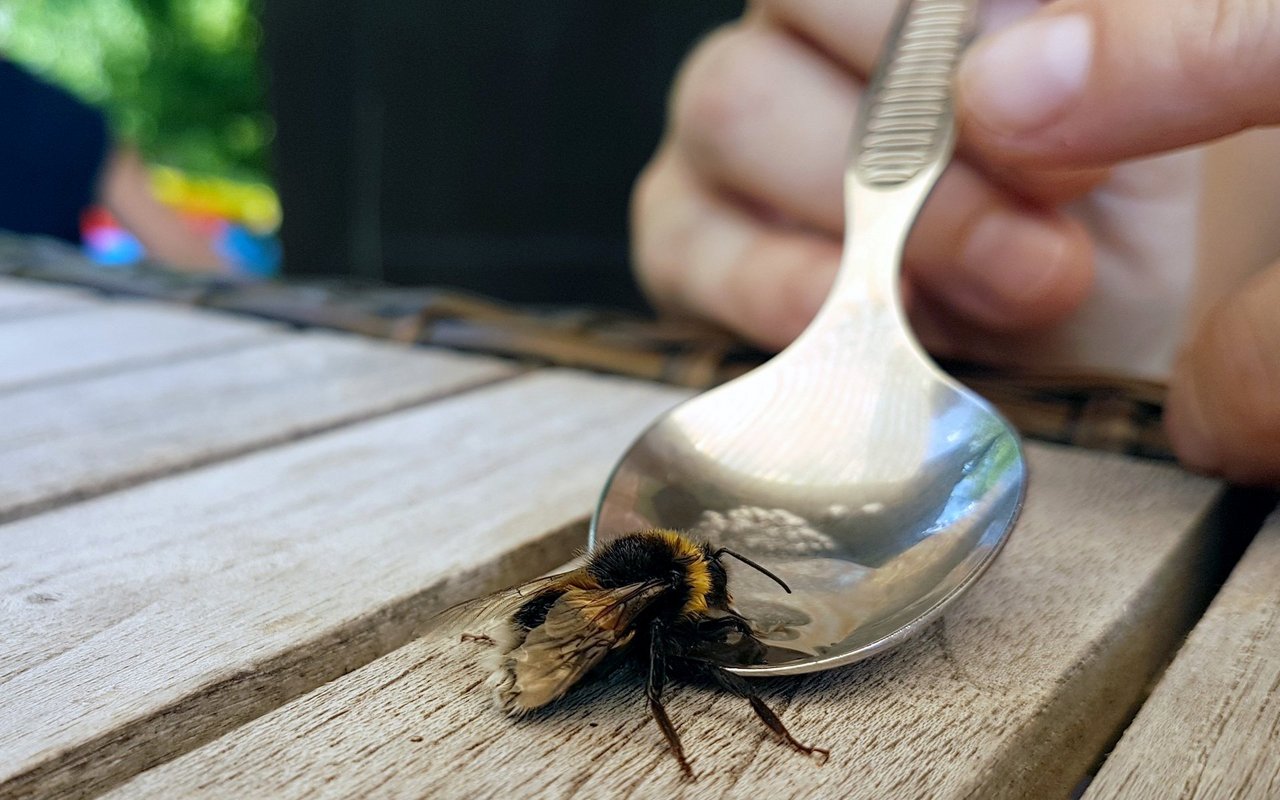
<point x="1093" y="411"/>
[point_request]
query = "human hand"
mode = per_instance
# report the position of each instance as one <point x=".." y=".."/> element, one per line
<point x="1087" y="82"/>
<point x="738" y="216"/>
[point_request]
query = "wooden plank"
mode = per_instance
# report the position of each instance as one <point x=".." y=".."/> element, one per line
<point x="145" y="622"/>
<point x="1212" y="727"/>
<point x="117" y="336"/>
<point x="1013" y="694"/>
<point x="79" y="439"/>
<point x="20" y="299"/>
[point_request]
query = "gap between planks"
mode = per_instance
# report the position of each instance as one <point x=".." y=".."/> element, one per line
<point x="118" y="336"/>
<point x="16" y="316"/>
<point x="72" y="442"/>
<point x="147" y="622"/>
<point x="1013" y="694"/>
<point x="1241" y="513"/>
<point x="21" y="300"/>
<point x="1212" y="725"/>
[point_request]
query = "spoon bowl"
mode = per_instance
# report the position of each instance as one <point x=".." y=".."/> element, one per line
<point x="877" y="486"/>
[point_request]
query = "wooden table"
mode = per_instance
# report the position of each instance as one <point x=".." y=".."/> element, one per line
<point x="222" y="539"/>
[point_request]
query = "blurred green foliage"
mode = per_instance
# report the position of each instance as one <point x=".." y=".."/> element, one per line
<point x="181" y="78"/>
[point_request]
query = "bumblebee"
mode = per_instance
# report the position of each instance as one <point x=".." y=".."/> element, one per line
<point x="655" y="598"/>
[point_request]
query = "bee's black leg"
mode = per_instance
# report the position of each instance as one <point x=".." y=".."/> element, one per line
<point x="653" y="690"/>
<point x="737" y="622"/>
<point x="738" y="686"/>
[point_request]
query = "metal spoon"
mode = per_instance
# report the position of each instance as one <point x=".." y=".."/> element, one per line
<point x="850" y="464"/>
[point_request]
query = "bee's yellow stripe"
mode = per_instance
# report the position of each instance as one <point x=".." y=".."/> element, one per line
<point x="697" y="576"/>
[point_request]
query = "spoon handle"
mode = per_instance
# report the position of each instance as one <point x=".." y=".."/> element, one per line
<point x="906" y="123"/>
<point x="903" y="138"/>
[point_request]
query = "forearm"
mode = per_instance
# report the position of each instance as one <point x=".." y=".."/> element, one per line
<point x="124" y="187"/>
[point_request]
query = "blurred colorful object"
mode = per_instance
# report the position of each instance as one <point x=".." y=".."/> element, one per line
<point x="253" y="205"/>
<point x="181" y="80"/>
<point x="241" y="219"/>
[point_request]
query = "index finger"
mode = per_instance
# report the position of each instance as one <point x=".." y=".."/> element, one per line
<point x="852" y="32"/>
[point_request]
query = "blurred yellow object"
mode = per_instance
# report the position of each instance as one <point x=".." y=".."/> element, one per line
<point x="253" y="205"/>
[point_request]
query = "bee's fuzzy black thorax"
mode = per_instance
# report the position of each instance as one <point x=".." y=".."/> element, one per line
<point x="698" y="579"/>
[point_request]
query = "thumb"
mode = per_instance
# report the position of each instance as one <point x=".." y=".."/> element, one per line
<point x="1223" y="410"/>
<point x="1090" y="82"/>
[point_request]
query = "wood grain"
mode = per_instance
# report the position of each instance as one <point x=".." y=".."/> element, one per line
<point x="1212" y="727"/>
<point x="81" y="438"/>
<point x="117" y="336"/>
<point x="20" y="299"/>
<point x="145" y="622"/>
<point x="1013" y="694"/>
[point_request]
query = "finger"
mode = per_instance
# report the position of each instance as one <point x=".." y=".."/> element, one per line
<point x="853" y="31"/>
<point x="762" y="113"/>
<point x="948" y="335"/>
<point x="697" y="253"/>
<point x="1000" y="266"/>
<point x="1042" y="186"/>
<point x="757" y="112"/>
<point x="1088" y="82"/>
<point x="842" y="39"/>
<point x="1003" y="264"/>
<point x="1223" y="413"/>
<point x="850" y="32"/>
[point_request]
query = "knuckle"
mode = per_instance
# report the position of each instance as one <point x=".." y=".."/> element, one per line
<point x="642" y="197"/>
<point x="719" y="92"/>
<point x="1221" y="44"/>
<point x="657" y="241"/>
<point x="645" y="194"/>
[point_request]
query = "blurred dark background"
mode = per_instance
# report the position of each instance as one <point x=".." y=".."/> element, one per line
<point x="489" y="144"/>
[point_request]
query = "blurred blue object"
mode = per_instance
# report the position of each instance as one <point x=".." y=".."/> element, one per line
<point x="112" y="247"/>
<point x="250" y="254"/>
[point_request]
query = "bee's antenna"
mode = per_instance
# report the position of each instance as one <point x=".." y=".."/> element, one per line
<point x="724" y="551"/>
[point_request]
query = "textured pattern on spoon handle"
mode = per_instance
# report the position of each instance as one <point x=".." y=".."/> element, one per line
<point x="906" y="122"/>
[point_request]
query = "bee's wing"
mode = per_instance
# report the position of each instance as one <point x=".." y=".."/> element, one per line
<point x="581" y="628"/>
<point x="482" y="612"/>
